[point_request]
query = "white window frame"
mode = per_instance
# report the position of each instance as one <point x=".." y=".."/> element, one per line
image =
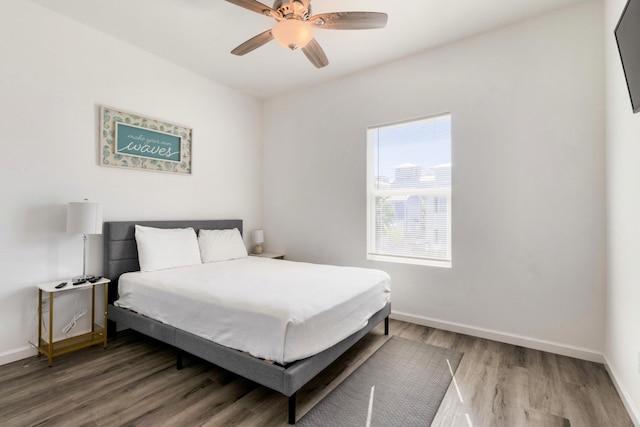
<point x="373" y="193"/>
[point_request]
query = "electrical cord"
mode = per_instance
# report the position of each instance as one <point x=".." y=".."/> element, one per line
<point x="76" y="316"/>
<point x="72" y="324"/>
<point x="37" y="357"/>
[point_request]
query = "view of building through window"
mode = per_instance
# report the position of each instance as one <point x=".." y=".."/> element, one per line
<point x="409" y="191"/>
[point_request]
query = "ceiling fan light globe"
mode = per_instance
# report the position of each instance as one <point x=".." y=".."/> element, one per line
<point x="292" y="33"/>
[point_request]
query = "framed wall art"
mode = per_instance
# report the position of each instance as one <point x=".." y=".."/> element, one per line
<point x="130" y="140"/>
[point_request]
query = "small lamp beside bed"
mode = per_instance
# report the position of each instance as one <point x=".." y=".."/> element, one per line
<point x="257" y="237"/>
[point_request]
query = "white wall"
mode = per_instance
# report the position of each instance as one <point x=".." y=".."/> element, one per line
<point x="54" y="75"/>
<point x="528" y="190"/>
<point x="623" y="191"/>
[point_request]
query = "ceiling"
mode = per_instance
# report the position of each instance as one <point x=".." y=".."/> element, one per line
<point x="199" y="34"/>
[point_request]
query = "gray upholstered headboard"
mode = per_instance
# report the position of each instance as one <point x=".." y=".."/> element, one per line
<point x="121" y="252"/>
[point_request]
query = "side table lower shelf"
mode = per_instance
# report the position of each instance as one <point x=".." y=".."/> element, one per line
<point x="77" y="342"/>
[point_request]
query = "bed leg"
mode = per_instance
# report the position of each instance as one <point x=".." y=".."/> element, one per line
<point x="292" y="409"/>
<point x="179" y="360"/>
<point x="386" y="325"/>
<point x="111" y="329"/>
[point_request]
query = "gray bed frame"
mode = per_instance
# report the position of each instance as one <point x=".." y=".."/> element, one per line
<point x="121" y="256"/>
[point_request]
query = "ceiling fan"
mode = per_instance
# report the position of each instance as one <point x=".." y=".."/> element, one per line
<point x="295" y="25"/>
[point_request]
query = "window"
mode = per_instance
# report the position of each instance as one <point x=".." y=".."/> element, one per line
<point x="409" y="192"/>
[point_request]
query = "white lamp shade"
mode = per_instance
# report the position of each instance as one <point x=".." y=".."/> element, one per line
<point x="257" y="236"/>
<point x="84" y="218"/>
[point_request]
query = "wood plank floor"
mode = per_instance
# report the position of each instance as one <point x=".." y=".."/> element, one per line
<point x="134" y="382"/>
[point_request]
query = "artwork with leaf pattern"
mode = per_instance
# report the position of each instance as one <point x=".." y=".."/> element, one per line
<point x="150" y="152"/>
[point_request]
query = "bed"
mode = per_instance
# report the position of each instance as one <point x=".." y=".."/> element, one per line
<point x="291" y="372"/>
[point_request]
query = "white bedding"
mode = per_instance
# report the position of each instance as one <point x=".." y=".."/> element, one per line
<point x="273" y="309"/>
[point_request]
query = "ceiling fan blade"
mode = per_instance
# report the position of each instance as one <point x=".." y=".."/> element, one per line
<point x="254" y="6"/>
<point x="253" y="43"/>
<point x="349" y="20"/>
<point x="315" y="54"/>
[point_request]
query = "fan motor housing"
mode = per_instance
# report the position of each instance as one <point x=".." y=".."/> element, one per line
<point x="287" y="10"/>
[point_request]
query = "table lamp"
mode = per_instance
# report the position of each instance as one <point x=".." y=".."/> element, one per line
<point x="84" y="218"/>
<point x="258" y="238"/>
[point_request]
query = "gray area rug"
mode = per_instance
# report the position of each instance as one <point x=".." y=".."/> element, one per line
<point x="401" y="384"/>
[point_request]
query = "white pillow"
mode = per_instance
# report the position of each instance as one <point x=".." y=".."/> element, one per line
<point x="160" y="248"/>
<point x="221" y="245"/>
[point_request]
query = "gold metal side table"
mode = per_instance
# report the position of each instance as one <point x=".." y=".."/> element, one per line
<point x="98" y="334"/>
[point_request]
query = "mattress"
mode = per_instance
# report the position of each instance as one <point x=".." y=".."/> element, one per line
<point x="273" y="309"/>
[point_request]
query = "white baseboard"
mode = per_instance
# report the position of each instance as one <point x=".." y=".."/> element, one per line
<point x="536" y="344"/>
<point x="17" y="354"/>
<point x="622" y="392"/>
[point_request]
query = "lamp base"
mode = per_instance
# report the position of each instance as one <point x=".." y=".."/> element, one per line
<point x="257" y="249"/>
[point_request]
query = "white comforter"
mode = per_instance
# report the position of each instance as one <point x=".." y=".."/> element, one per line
<point x="274" y="309"/>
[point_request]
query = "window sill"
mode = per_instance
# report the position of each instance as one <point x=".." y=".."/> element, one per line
<point x="407" y="260"/>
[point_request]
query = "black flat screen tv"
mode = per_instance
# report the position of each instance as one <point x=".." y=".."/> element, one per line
<point x="627" y="34"/>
